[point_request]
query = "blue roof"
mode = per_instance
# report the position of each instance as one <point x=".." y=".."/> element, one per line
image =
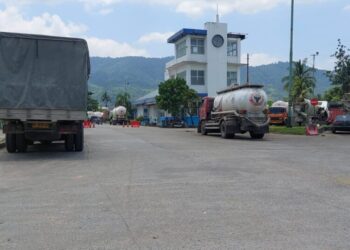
<point x="196" y="32"/>
<point x="185" y="32"/>
<point x="148" y="99"/>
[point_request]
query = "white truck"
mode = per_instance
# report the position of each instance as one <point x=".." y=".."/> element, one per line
<point x="119" y="115"/>
<point x="43" y="90"/>
<point x="237" y="109"/>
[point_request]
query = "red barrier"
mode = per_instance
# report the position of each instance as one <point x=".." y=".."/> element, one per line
<point x="87" y="124"/>
<point x="311" y="130"/>
<point x="135" y="124"/>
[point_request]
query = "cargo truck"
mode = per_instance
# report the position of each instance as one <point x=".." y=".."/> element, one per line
<point x="237" y="109"/>
<point x="43" y="90"/>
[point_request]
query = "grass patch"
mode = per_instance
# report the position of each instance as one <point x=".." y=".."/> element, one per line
<point x="287" y="131"/>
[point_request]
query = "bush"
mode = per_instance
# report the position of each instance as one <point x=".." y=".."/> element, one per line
<point x="139" y="118"/>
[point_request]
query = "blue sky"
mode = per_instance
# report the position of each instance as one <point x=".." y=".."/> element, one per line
<point x="118" y="28"/>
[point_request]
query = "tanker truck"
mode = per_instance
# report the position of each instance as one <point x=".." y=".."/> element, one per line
<point x="237" y="109"/>
<point x="119" y="115"/>
<point x="43" y="90"/>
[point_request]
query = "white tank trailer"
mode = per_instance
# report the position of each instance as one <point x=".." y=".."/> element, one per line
<point x="238" y="109"/>
<point x="119" y="115"/>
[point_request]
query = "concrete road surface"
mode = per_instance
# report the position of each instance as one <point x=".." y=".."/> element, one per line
<point x="152" y="188"/>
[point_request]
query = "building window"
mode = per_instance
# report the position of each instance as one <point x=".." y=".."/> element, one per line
<point x="197" y="46"/>
<point x="231" y="78"/>
<point x="181" y="75"/>
<point x="197" y="77"/>
<point x="181" y="49"/>
<point x="232" y="48"/>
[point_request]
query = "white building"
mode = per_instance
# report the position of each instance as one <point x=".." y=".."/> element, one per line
<point x="208" y="59"/>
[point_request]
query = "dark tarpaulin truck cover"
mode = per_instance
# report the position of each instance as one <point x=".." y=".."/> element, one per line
<point x="43" y="72"/>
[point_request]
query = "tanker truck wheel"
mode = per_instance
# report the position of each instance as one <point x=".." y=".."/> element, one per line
<point x="203" y="130"/>
<point x="254" y="135"/>
<point x="11" y="143"/>
<point x="223" y="130"/>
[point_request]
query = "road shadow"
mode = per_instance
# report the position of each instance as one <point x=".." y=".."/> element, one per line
<point x="240" y="137"/>
<point x="38" y="151"/>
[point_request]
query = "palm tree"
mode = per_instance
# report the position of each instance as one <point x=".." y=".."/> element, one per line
<point x="303" y="81"/>
<point x="105" y="98"/>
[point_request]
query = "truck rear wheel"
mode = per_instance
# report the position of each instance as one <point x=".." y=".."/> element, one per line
<point x="224" y="131"/>
<point x="203" y="130"/>
<point x="79" y="140"/>
<point x="21" y="143"/>
<point x="11" y="143"/>
<point x="69" y="143"/>
<point x="254" y="135"/>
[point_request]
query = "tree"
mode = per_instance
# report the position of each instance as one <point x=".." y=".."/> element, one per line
<point x="340" y="76"/>
<point x="123" y="99"/>
<point x="92" y="104"/>
<point x="176" y="97"/>
<point x="105" y="98"/>
<point x="303" y="81"/>
<point x="334" y="94"/>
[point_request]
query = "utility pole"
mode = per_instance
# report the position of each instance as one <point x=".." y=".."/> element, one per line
<point x="125" y="93"/>
<point x="313" y="70"/>
<point x="248" y="68"/>
<point x="291" y="67"/>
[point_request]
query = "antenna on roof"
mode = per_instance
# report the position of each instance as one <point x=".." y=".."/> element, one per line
<point x="217" y="11"/>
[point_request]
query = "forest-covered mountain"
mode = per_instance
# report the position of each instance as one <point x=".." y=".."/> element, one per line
<point x="141" y="75"/>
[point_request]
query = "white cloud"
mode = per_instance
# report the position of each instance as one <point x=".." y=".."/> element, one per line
<point x="11" y="20"/>
<point x="257" y="59"/>
<point x="347" y="7"/>
<point x="155" y="37"/>
<point x="103" y="7"/>
<point x="111" y="48"/>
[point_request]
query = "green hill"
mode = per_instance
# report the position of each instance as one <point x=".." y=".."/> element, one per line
<point x="271" y="76"/>
<point x="138" y="74"/>
<point x="144" y="74"/>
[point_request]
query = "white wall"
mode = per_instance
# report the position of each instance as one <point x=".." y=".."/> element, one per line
<point x="216" y="58"/>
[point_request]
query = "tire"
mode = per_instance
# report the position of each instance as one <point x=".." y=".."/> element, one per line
<point x="21" y="143"/>
<point x="223" y="131"/>
<point x="199" y="129"/>
<point x="256" y="136"/>
<point x="334" y="131"/>
<point x="79" y="140"/>
<point x="69" y="143"/>
<point x="203" y="130"/>
<point x="11" y="143"/>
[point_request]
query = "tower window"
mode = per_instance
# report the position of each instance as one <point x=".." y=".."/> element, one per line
<point x="197" y="46"/>
<point x="231" y="78"/>
<point x="197" y="77"/>
<point x="181" y="49"/>
<point x="232" y="48"/>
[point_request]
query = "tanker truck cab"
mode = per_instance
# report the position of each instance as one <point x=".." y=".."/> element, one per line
<point x="237" y="109"/>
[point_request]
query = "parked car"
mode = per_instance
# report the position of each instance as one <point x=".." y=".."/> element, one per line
<point x="341" y="123"/>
